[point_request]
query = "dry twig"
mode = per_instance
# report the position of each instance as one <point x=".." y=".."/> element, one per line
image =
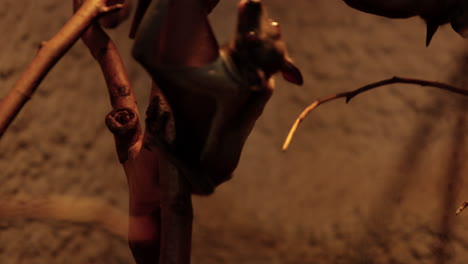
<point x="47" y="56"/>
<point x="461" y="207"/>
<point x="351" y="94"/>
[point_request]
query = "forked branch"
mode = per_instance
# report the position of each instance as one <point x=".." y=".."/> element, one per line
<point x="48" y="55"/>
<point x="351" y="94"/>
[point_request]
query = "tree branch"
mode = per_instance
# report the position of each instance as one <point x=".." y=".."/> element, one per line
<point x="47" y="56"/>
<point x="176" y="212"/>
<point x="351" y="94"/>
<point x="140" y="164"/>
<point x="175" y="191"/>
<point x="461" y="207"/>
<point x="123" y="121"/>
<point x="176" y="215"/>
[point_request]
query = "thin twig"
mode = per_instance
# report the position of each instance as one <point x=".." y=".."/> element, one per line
<point x="461" y="207"/>
<point x="351" y="94"/>
<point x="47" y="56"/>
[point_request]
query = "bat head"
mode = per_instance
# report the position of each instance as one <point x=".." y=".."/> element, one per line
<point x="259" y="44"/>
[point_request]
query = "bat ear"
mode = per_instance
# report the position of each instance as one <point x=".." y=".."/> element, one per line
<point x="459" y="20"/>
<point x="291" y="73"/>
<point x="210" y="5"/>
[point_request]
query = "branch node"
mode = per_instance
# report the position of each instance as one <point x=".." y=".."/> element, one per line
<point x="112" y="8"/>
<point x="122" y="121"/>
<point x="124" y="124"/>
<point x="42" y="45"/>
<point x="348" y="98"/>
<point x="23" y="95"/>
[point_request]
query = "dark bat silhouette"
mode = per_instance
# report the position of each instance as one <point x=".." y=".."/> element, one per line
<point x="216" y="94"/>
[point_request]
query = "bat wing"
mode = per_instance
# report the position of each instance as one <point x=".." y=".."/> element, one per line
<point x="176" y="34"/>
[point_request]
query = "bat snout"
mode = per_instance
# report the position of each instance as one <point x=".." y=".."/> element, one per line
<point x="250" y="16"/>
<point x="250" y="8"/>
<point x="249" y="3"/>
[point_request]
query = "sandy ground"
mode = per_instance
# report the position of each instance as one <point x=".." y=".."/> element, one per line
<point x="374" y="181"/>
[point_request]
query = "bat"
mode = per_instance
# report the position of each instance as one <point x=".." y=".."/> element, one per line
<point x="215" y="94"/>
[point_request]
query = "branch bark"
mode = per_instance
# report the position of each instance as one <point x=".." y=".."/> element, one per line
<point x="176" y="215"/>
<point x="47" y="56"/>
<point x="140" y="164"/>
<point x="351" y="94"/>
<point x="461" y="207"/>
<point x="161" y="214"/>
<point x="175" y="191"/>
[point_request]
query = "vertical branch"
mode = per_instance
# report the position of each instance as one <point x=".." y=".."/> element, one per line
<point x="48" y="55"/>
<point x="140" y="164"/>
<point x="175" y="191"/>
<point x="123" y="121"/>
<point x="155" y="32"/>
<point x="176" y="215"/>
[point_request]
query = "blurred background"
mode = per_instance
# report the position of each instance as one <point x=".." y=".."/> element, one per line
<point x="374" y="181"/>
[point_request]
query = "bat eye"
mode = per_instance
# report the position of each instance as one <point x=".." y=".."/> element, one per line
<point x="276" y="30"/>
<point x="251" y="36"/>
